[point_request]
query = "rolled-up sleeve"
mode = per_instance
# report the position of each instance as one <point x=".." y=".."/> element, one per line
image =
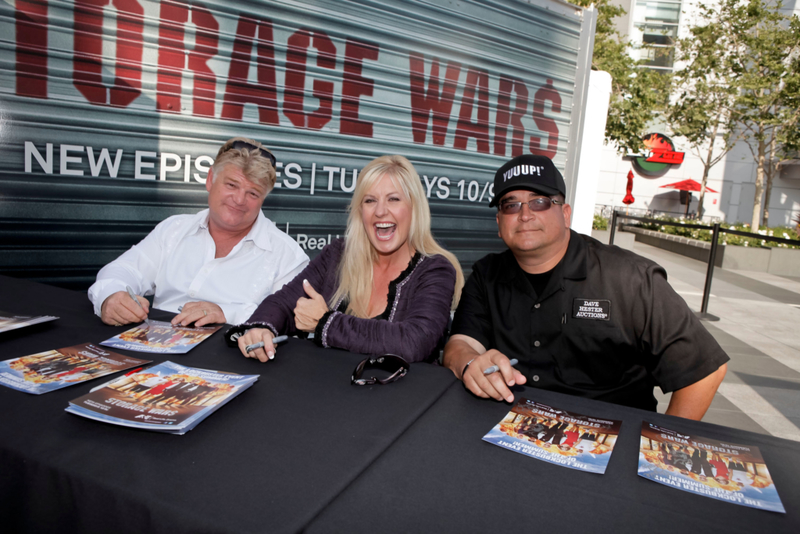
<point x="137" y="268"/>
<point x="473" y="318"/>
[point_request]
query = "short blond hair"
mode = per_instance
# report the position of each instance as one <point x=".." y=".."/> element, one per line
<point x="355" y="268"/>
<point x="254" y="165"/>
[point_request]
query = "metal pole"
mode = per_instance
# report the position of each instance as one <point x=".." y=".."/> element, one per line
<point x="712" y="258"/>
<point x="613" y="227"/>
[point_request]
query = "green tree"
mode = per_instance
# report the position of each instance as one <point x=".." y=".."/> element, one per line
<point x="705" y="93"/>
<point x="763" y="44"/>
<point x="786" y="141"/>
<point x="635" y="92"/>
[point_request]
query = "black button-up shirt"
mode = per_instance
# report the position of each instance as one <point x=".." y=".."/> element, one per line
<point x="607" y="325"/>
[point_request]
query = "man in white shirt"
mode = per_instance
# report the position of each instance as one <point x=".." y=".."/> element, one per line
<point x="215" y="266"/>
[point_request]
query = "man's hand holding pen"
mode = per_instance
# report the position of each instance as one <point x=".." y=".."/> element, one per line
<point x="120" y="308"/>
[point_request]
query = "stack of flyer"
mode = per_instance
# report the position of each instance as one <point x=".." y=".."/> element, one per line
<point x="55" y="369"/>
<point x="167" y="398"/>
<point x="9" y="321"/>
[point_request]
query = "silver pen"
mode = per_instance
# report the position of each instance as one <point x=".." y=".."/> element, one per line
<point x="260" y="344"/>
<point x="494" y="368"/>
<point x="133" y="296"/>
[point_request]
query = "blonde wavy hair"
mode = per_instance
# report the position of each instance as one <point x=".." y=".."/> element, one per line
<point x="253" y="164"/>
<point x="355" y="268"/>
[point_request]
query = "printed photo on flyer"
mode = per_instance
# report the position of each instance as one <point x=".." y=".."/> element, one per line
<point x="573" y="440"/>
<point x="55" y="369"/>
<point x="721" y="470"/>
<point x="161" y="337"/>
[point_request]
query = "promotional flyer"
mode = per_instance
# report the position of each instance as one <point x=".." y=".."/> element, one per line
<point x="705" y="466"/>
<point x="557" y="436"/>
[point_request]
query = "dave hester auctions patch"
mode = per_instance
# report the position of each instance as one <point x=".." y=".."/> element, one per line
<point x="160" y="337"/>
<point x="720" y="470"/>
<point x="594" y="309"/>
<point x="556" y="436"/>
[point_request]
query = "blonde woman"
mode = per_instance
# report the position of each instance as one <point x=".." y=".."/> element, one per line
<point x="386" y="287"/>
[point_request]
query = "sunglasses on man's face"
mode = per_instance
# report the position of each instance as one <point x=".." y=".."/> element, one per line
<point x="535" y="204"/>
<point x="238" y="145"/>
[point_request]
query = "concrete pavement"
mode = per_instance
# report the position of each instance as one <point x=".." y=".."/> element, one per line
<point x="759" y="328"/>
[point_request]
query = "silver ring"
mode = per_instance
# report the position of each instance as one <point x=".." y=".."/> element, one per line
<point x="205" y="313"/>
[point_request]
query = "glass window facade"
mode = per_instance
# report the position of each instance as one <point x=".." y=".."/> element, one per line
<point x="655" y="30"/>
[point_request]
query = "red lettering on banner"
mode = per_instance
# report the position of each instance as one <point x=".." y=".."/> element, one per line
<point x="171" y="55"/>
<point x="172" y="58"/>
<point x="294" y="92"/>
<point x="354" y="85"/>
<point x="431" y="97"/>
<point x="88" y="56"/>
<point x="436" y="102"/>
<point x="505" y="117"/>
<point x="239" y="91"/>
<point x="31" y="30"/>
<point x="546" y="93"/>
<point x="476" y="80"/>
<point x="205" y="81"/>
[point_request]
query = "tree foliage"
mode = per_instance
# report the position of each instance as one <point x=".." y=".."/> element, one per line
<point x="705" y="92"/>
<point x="790" y="133"/>
<point x="765" y="45"/>
<point x="741" y="81"/>
<point x="635" y="93"/>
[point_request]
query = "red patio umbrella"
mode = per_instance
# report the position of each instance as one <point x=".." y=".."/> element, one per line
<point x="688" y="185"/>
<point x="629" y="190"/>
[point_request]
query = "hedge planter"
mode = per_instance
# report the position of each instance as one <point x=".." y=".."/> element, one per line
<point x="779" y="261"/>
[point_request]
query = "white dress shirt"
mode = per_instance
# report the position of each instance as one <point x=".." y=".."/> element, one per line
<point x="176" y="263"/>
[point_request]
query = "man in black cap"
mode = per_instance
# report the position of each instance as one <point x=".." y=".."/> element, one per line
<point x="581" y="317"/>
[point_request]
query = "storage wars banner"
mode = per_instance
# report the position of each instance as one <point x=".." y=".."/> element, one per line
<point x="124" y="104"/>
<point x="201" y="60"/>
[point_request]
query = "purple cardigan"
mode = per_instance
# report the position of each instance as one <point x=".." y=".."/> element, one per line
<point x="416" y="315"/>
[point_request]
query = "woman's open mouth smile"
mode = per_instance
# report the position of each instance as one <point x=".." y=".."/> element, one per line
<point x="385" y="230"/>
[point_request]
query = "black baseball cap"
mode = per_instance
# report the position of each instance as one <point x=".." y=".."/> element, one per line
<point x="529" y="172"/>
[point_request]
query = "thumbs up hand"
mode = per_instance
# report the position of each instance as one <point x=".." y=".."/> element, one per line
<point x="310" y="309"/>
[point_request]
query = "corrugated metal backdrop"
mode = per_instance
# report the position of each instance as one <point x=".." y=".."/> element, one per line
<point x="110" y="112"/>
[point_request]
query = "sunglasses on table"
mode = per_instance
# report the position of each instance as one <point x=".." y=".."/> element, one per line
<point x="536" y="204"/>
<point x="388" y="363"/>
<point x="238" y="145"/>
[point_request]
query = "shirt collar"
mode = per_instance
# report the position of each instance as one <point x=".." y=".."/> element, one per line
<point x="202" y="219"/>
<point x="259" y="234"/>
<point x="572" y="266"/>
<point x="575" y="261"/>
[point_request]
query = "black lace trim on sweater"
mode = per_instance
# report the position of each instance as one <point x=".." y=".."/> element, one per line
<point x="393" y="287"/>
<point x="390" y="297"/>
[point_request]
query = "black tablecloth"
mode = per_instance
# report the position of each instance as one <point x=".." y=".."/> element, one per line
<point x="268" y="461"/>
<point x="441" y="476"/>
<point x="304" y="450"/>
